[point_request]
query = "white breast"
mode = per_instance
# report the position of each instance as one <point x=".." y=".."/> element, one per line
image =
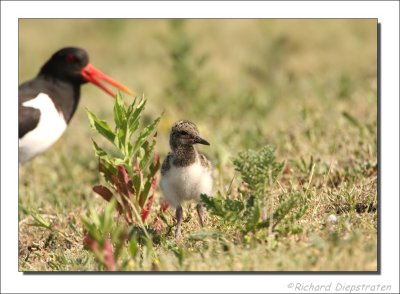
<point x="181" y="184"/>
<point x="49" y="129"/>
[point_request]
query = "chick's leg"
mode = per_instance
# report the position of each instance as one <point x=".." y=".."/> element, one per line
<point x="200" y="212"/>
<point x="179" y="217"/>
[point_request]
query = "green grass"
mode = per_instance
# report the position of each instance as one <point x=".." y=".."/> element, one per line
<point x="307" y="87"/>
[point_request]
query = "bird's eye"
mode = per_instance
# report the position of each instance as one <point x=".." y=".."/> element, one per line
<point x="70" y="58"/>
<point x="184" y="133"/>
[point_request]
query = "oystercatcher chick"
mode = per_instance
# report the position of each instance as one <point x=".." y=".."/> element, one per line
<point x="185" y="173"/>
<point x="47" y="103"/>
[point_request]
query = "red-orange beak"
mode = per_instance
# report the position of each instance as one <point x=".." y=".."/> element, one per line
<point x="93" y="75"/>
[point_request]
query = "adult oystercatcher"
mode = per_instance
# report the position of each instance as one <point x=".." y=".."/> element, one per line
<point x="47" y="103"/>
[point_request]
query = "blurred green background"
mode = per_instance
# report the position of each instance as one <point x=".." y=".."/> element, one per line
<point x="242" y="80"/>
<point x="307" y="86"/>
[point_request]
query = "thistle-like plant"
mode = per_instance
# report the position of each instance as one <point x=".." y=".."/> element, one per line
<point x="254" y="210"/>
<point x="258" y="169"/>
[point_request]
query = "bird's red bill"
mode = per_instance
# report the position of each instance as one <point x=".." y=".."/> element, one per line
<point x="93" y="75"/>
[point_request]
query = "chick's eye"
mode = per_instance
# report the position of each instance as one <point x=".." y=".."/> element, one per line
<point x="183" y="133"/>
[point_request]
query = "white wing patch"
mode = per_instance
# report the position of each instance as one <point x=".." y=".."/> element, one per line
<point x="49" y="129"/>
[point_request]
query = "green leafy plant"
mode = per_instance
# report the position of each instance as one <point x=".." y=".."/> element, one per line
<point x="131" y="175"/>
<point x="258" y="169"/>
<point x="131" y="181"/>
<point x="254" y="210"/>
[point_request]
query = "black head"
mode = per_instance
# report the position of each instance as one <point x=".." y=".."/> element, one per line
<point x="67" y="64"/>
<point x="72" y="65"/>
<point x="185" y="132"/>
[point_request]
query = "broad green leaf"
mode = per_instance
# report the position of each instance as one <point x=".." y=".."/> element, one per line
<point x="145" y="133"/>
<point x="130" y="131"/>
<point x="104" y="158"/>
<point x="119" y="111"/>
<point x="108" y="170"/>
<point x="145" y="192"/>
<point x="140" y="153"/>
<point x="130" y="125"/>
<point x="101" y="126"/>
<point x="133" y="125"/>
<point x="140" y="107"/>
<point x="130" y="107"/>
<point x="106" y="166"/>
<point x="99" y="151"/>
<point x="137" y="180"/>
<point x="151" y="183"/>
<point x="134" y="114"/>
<point x="155" y="165"/>
<point x="120" y="140"/>
<point x="148" y="148"/>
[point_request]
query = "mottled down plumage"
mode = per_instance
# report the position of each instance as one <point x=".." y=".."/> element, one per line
<point x="185" y="173"/>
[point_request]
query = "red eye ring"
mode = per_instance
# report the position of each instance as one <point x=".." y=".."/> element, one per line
<point x="70" y="58"/>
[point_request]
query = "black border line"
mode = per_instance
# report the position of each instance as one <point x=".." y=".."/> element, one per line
<point x="233" y="273"/>
<point x="305" y="1"/>
<point x="378" y="147"/>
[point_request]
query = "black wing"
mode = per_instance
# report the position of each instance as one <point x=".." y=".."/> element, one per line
<point x="166" y="164"/>
<point x="28" y="117"/>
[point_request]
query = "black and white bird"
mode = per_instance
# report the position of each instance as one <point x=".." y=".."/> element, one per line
<point x="47" y="103"/>
<point x="185" y="173"/>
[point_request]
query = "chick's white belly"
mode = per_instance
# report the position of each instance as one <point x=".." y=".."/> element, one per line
<point x="181" y="184"/>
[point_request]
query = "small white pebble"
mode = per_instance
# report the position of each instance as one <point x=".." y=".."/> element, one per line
<point x="331" y="219"/>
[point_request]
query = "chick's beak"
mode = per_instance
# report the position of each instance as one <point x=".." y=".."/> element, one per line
<point x="199" y="140"/>
<point x="93" y="75"/>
